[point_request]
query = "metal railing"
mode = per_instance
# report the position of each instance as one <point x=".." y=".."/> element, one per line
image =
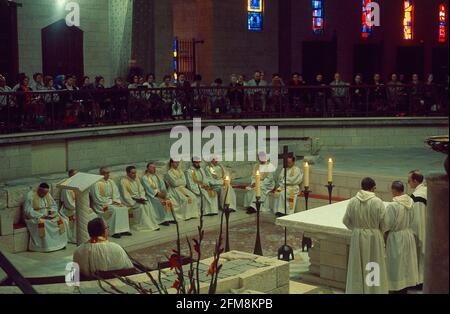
<point x="55" y="110"/>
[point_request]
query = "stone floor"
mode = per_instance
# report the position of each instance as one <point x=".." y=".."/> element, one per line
<point x="151" y="247"/>
<point x="390" y="161"/>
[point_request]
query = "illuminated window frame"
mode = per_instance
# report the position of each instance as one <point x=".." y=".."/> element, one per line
<point x="408" y="20"/>
<point x="255" y="6"/>
<point x="442" y="23"/>
<point x="366" y="30"/>
<point x="255" y="18"/>
<point x="318" y="17"/>
<point x="175" y="58"/>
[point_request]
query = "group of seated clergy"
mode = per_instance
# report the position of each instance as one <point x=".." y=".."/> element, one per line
<point x="387" y="247"/>
<point x="149" y="201"/>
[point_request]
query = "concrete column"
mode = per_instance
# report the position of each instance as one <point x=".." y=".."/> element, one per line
<point x="436" y="249"/>
<point x="82" y="218"/>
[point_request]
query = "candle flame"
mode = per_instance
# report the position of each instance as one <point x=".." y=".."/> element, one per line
<point x="330" y="160"/>
<point x="257" y="172"/>
<point x="306" y="164"/>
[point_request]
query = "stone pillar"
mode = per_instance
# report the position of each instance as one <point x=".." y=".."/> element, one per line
<point x="436" y="249"/>
<point x="82" y="210"/>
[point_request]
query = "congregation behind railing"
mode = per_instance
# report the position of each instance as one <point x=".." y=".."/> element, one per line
<point x="54" y="110"/>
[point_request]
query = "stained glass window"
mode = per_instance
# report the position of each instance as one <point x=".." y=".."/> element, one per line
<point x="318" y="20"/>
<point x="255" y="9"/>
<point x="367" y="30"/>
<point x="442" y="23"/>
<point x="175" y="58"/>
<point x="408" y="20"/>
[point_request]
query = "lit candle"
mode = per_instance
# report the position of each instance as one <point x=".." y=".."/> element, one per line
<point x="306" y="171"/>
<point x="330" y="170"/>
<point x="258" y="184"/>
<point x="227" y="190"/>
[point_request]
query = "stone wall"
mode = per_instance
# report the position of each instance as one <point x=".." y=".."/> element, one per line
<point x="56" y="152"/>
<point x="37" y="14"/>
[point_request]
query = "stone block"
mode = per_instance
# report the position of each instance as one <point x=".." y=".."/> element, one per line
<point x="333" y="260"/>
<point x="6" y="222"/>
<point x="263" y="280"/>
<point x="340" y="275"/>
<point x="3" y="199"/>
<point x="314" y="269"/>
<point x="15" y="243"/>
<point x="334" y="247"/>
<point x="283" y="275"/>
<point x="280" y="290"/>
<point x="326" y="272"/>
<point x="225" y="285"/>
<point x="16" y="194"/>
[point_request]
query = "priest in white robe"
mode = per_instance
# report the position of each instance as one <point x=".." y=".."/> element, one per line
<point x="418" y="217"/>
<point x="401" y="254"/>
<point x="216" y="174"/>
<point x="184" y="202"/>
<point x="156" y="193"/>
<point x="199" y="184"/>
<point x="48" y="230"/>
<point x="68" y="210"/>
<point x="366" y="272"/>
<point x="107" y="204"/>
<point x="293" y="181"/>
<point x="266" y="172"/>
<point x="100" y="255"/>
<point x="133" y="194"/>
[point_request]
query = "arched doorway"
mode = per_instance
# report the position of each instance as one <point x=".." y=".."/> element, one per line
<point x="62" y="50"/>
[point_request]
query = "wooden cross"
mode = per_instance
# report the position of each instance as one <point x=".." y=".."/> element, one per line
<point x="285" y="155"/>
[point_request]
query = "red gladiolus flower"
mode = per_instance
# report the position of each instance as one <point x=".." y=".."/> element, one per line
<point x="176" y="284"/>
<point x="212" y="269"/>
<point x="173" y="262"/>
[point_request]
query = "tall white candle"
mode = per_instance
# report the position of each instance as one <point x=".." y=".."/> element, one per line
<point x="227" y="190"/>
<point x="306" y="172"/>
<point x="330" y="170"/>
<point x="258" y="184"/>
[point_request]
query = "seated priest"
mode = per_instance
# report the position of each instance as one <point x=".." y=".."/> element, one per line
<point x="48" y="230"/>
<point x="184" y="202"/>
<point x="106" y="203"/>
<point x="293" y="180"/>
<point x="100" y="255"/>
<point x="68" y="210"/>
<point x="156" y="193"/>
<point x="133" y="194"/>
<point x="401" y="254"/>
<point x="263" y="174"/>
<point x="364" y="217"/>
<point x="216" y="174"/>
<point x="418" y="217"/>
<point x="199" y="184"/>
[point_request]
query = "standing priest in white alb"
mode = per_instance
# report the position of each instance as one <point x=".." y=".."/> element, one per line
<point x="47" y="228"/>
<point x="366" y="271"/>
<point x="216" y="174"/>
<point x="401" y="255"/>
<point x="133" y="195"/>
<point x="293" y="181"/>
<point x="106" y="202"/>
<point x="156" y="192"/>
<point x="199" y="184"/>
<point x="418" y="217"/>
<point x="266" y="172"/>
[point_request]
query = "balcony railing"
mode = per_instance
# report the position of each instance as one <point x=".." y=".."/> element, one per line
<point x="55" y="110"/>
